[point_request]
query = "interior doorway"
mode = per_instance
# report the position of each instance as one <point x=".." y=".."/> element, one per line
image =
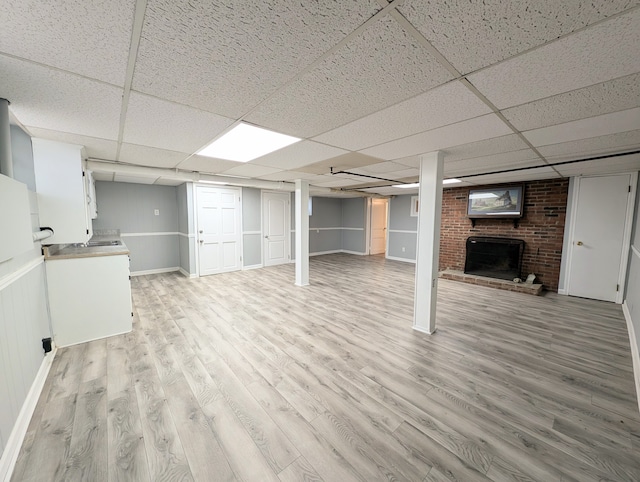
<point x="599" y="236"/>
<point x="378" y="214"/>
<point x="219" y="230"/>
<point x="276" y="211"/>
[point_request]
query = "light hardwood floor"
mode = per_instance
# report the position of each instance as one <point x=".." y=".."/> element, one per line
<point x="243" y="376"/>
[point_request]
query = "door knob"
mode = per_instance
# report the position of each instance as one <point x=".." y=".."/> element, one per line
<point x="579" y="243"/>
<point x="201" y="241"/>
<point x="266" y="237"/>
<point x="201" y="231"/>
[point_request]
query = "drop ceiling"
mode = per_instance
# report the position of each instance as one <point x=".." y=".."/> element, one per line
<point x="368" y="85"/>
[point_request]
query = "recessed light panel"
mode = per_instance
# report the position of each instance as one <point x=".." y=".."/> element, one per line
<point x="245" y="142"/>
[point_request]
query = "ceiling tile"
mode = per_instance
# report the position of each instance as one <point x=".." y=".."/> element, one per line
<point x="88" y="37"/>
<point x="508" y="143"/>
<point x="150" y="156"/>
<point x="51" y="99"/>
<point x="472" y="35"/>
<point x="622" y="121"/>
<point x="287" y="176"/>
<point x="94" y="148"/>
<point x="566" y="64"/>
<point x="378" y="68"/>
<point x="335" y="181"/>
<point x="447" y="104"/>
<point x="611" y="96"/>
<point x="207" y="164"/>
<point x="380" y="168"/>
<point x="134" y="179"/>
<point x="478" y="165"/>
<point x="299" y="154"/>
<point x="158" y="123"/>
<point x="250" y="170"/>
<point x="243" y="46"/>
<point x="340" y="163"/>
<point x="484" y="127"/>
<point x="520" y="176"/>
<point x="620" y="142"/>
<point x="601" y="166"/>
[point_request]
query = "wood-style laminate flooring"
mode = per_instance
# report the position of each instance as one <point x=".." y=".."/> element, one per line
<point x="244" y="376"/>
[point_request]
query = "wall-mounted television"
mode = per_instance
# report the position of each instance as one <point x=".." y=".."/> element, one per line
<point x="498" y="202"/>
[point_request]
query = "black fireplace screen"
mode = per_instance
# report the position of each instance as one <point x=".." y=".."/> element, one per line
<point x="494" y="257"/>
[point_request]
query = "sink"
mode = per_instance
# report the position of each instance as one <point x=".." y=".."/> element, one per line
<point x="103" y="243"/>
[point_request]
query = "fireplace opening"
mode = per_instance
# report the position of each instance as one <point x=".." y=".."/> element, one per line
<point x="494" y="257"/>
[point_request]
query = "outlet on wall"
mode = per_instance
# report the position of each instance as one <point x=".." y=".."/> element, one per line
<point x="403" y="250"/>
<point x="156" y="212"/>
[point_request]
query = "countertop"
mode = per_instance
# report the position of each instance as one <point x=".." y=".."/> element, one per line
<point x="70" y="251"/>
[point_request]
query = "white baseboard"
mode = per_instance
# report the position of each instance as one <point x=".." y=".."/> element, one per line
<point x="404" y="260"/>
<point x="253" y="266"/>
<point x="154" y="271"/>
<point x="635" y="352"/>
<point x="346" y="251"/>
<point x="14" y="443"/>
<point x="320" y="253"/>
<point x="187" y="274"/>
<point x="563" y="292"/>
<point x="422" y="330"/>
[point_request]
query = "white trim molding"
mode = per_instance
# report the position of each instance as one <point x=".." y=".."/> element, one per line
<point x="635" y="354"/>
<point x="164" y="233"/>
<point x="252" y="233"/>
<point x="155" y="271"/>
<point x="357" y="253"/>
<point x="320" y="253"/>
<point x="253" y="266"/>
<point x="404" y="260"/>
<point x="353" y="229"/>
<point x="406" y="231"/>
<point x="16" y="438"/>
<point x="185" y="235"/>
<point x="186" y="274"/>
<point x="20" y="272"/>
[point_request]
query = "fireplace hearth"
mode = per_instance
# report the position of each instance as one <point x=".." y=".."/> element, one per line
<point x="499" y="258"/>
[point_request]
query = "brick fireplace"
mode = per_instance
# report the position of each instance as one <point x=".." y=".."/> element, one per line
<point x="541" y="228"/>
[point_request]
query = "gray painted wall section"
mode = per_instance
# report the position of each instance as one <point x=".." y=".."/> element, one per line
<point x="402" y="245"/>
<point x="186" y="228"/>
<point x="251" y="221"/>
<point x="130" y="208"/>
<point x="22" y="157"/>
<point x="354" y="212"/>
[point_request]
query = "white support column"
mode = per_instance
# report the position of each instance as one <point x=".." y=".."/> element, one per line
<point x="6" y="161"/>
<point x="428" y="249"/>
<point x="302" y="233"/>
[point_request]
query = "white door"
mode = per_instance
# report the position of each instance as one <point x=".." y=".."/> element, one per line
<point x="276" y="211"/>
<point x="597" y="241"/>
<point x="378" y="226"/>
<point x="219" y="233"/>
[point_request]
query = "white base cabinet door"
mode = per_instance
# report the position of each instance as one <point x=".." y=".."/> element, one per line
<point x="89" y="298"/>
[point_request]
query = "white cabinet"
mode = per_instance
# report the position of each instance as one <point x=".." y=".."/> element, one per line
<point x="89" y="298"/>
<point x="61" y="189"/>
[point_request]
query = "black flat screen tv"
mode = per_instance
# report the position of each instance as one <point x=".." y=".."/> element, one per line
<point x="497" y="202"/>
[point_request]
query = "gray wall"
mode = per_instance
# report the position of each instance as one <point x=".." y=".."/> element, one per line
<point x="130" y="208"/>
<point x="325" y="223"/>
<point x="251" y="227"/>
<point x="22" y="156"/>
<point x="24" y="319"/>
<point x="186" y="228"/>
<point x="354" y="212"/>
<point x="334" y="225"/>
<point x="403" y="229"/>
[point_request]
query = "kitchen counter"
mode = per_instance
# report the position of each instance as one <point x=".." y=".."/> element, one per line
<point x="71" y="251"/>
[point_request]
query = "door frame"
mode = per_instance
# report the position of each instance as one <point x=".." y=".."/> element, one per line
<point x="368" y="225"/>
<point x="195" y="221"/>
<point x="568" y="245"/>
<point x="287" y="225"/>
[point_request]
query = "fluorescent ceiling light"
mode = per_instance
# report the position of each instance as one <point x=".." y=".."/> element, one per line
<point x="246" y="142"/>
<point x="451" y="181"/>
